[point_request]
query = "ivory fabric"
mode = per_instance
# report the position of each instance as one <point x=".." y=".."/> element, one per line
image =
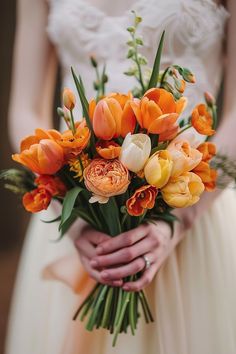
<point x="192" y="297"/>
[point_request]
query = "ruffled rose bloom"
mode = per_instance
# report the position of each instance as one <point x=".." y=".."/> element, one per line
<point x="108" y="149"/>
<point x="112" y="116"/>
<point x="73" y="144"/>
<point x="106" y="178"/>
<point x="52" y="184"/>
<point x="184" y="157"/>
<point x="37" y="200"/>
<point x="41" y="153"/>
<point x="183" y="191"/>
<point x="158" y="112"/>
<point x="158" y="168"/>
<point x="202" y="120"/>
<point x="143" y="199"/>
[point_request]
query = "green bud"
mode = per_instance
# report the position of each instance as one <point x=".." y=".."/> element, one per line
<point x="131" y="29"/>
<point x="142" y="60"/>
<point x="93" y="62"/>
<point x="130" y="53"/>
<point x="60" y="112"/>
<point x="139" y="41"/>
<point x="138" y="19"/>
<point x="130" y="43"/>
<point x="96" y="85"/>
<point x="104" y="78"/>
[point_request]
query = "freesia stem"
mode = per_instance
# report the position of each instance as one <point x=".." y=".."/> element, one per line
<point x="181" y="131"/>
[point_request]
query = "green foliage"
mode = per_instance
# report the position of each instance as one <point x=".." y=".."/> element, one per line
<point x="156" y="65"/>
<point x="68" y="205"/>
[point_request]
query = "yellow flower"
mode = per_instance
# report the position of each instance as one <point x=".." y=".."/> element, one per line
<point x="158" y="168"/>
<point x="78" y="165"/>
<point x="183" y="191"/>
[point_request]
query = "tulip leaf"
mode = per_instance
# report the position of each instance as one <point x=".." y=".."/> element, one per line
<point x="58" y="218"/>
<point x="111" y="214"/>
<point x="68" y="204"/>
<point x="156" y="65"/>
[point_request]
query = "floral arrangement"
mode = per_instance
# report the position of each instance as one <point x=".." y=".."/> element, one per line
<point x="131" y="159"/>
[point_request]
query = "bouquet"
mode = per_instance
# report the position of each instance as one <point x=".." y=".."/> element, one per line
<point x="128" y="161"/>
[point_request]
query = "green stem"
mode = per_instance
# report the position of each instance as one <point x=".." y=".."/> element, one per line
<point x="185" y="128"/>
<point x="122" y="314"/>
<point x="105" y="317"/>
<point x="72" y="122"/>
<point x="94" y="314"/>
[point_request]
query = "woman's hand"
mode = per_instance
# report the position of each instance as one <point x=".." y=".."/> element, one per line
<point x="86" y="244"/>
<point x="108" y="260"/>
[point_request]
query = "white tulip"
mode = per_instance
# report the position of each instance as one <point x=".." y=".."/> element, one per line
<point x="192" y="136"/>
<point x="135" y="151"/>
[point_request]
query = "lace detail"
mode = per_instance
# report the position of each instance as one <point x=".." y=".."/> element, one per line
<point x="194" y="32"/>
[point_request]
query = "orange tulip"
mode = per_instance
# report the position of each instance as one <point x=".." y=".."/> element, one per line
<point x="157" y="111"/>
<point x="52" y="184"/>
<point x="207" y="175"/>
<point x="36" y="200"/>
<point x="143" y="199"/>
<point x="42" y="156"/>
<point x="68" y="99"/>
<point x="202" y="120"/>
<point x="108" y="149"/>
<point x="74" y="144"/>
<point x="208" y="151"/>
<point x="112" y="116"/>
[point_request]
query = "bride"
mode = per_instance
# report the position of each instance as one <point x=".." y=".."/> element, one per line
<point x="191" y="281"/>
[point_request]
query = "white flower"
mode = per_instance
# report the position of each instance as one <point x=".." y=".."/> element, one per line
<point x="135" y="151"/>
<point x="192" y="136"/>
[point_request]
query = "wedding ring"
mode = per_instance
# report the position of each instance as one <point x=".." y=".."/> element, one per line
<point x="147" y="262"/>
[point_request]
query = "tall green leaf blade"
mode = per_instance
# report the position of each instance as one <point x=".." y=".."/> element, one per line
<point x="111" y="214"/>
<point x="156" y="65"/>
<point x="68" y="204"/>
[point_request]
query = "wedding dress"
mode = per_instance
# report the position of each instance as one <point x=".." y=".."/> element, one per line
<point x="193" y="295"/>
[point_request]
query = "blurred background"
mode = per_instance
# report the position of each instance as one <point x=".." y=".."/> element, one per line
<point x="13" y="218"/>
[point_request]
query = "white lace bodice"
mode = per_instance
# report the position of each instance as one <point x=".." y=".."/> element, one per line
<point x="194" y="33"/>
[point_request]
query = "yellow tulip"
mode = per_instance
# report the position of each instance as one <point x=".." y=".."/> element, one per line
<point x="183" y="191"/>
<point x="158" y="168"/>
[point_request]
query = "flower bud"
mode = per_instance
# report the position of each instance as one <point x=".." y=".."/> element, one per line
<point x="68" y="98"/>
<point x="210" y="100"/>
<point x="135" y="151"/>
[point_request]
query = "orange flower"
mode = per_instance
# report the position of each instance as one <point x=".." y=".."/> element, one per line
<point x="74" y="144"/>
<point x="157" y="111"/>
<point x="40" y="152"/>
<point x="36" y="200"/>
<point x="52" y="184"/>
<point x="68" y="99"/>
<point x="208" y="150"/>
<point x="143" y="198"/>
<point x="106" y="178"/>
<point x="202" y="120"/>
<point x="207" y="175"/>
<point x="108" y="149"/>
<point x="112" y="116"/>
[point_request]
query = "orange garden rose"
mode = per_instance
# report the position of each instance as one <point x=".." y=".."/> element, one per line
<point x="73" y="144"/>
<point x="68" y="99"/>
<point x="143" y="198"/>
<point x="183" y="191"/>
<point x="37" y="200"/>
<point x="202" y="120"/>
<point x="106" y="178"/>
<point x="52" y="184"/>
<point x="158" y="112"/>
<point x="41" y="153"/>
<point x="184" y="157"/>
<point x="208" y="151"/>
<point x="208" y="175"/>
<point x="112" y="116"/>
<point x="108" y="149"/>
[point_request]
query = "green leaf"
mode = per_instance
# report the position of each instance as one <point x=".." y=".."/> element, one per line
<point x="68" y="204"/>
<point x="58" y="218"/>
<point x="156" y="66"/>
<point x="111" y="214"/>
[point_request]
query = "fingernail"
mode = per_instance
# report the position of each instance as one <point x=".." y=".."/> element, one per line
<point x="99" y="250"/>
<point x="105" y="275"/>
<point x="126" y="287"/>
<point x="94" y="263"/>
